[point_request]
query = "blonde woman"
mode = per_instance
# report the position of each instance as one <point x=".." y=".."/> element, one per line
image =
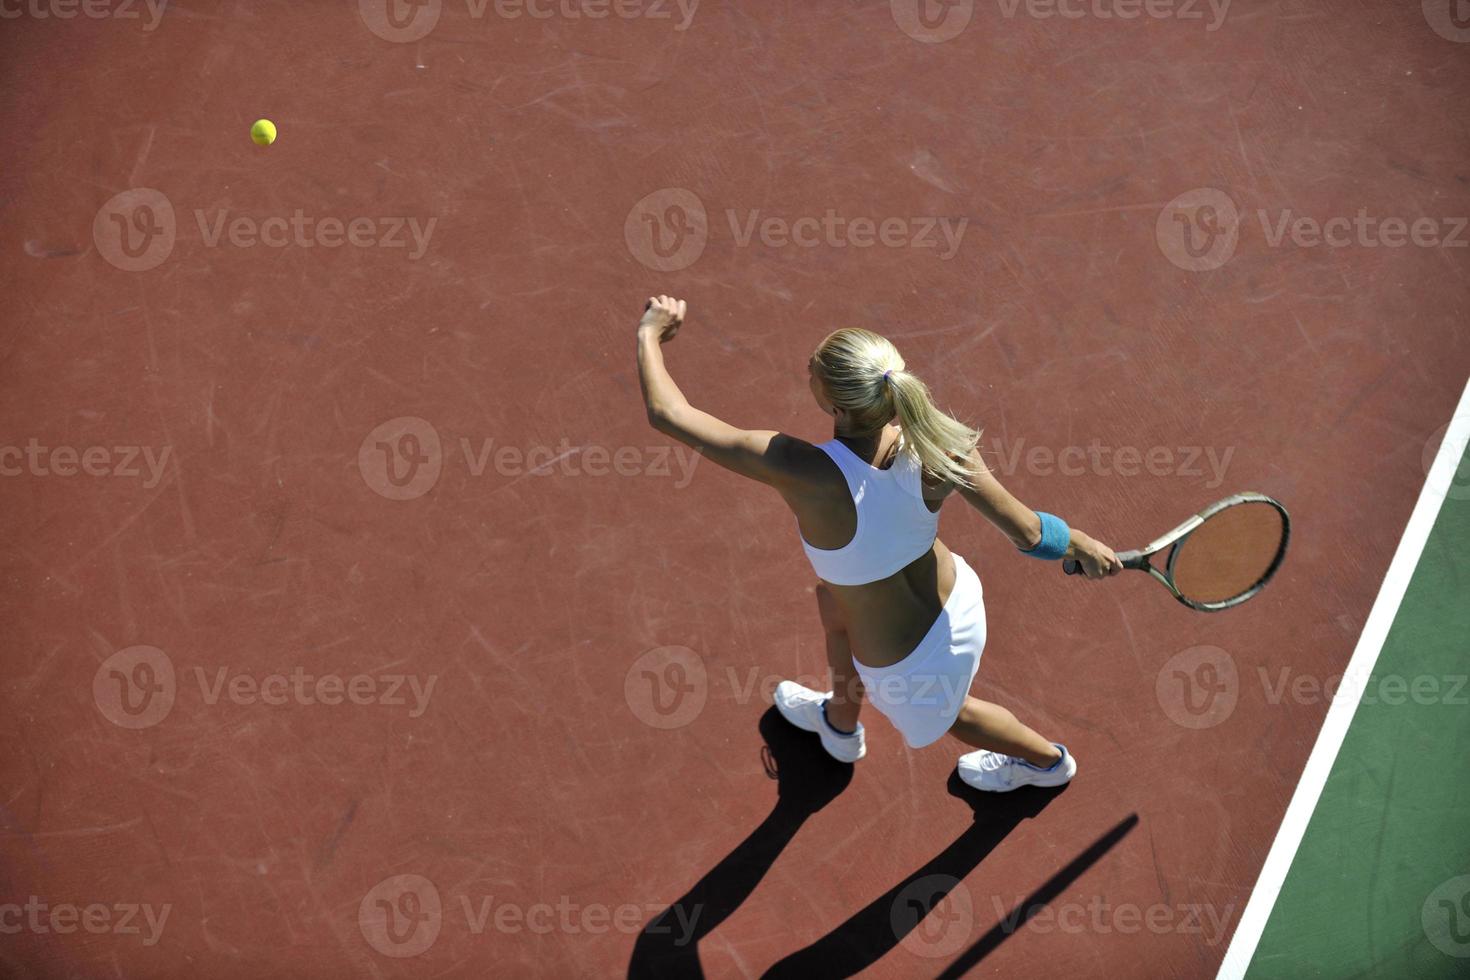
<point x="904" y="616"/>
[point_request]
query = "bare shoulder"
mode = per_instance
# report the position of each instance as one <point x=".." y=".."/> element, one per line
<point x="938" y="488"/>
<point x="803" y="464"/>
<point x="981" y="479"/>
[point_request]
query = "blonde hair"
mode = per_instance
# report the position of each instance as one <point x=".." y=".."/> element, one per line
<point x="863" y="374"/>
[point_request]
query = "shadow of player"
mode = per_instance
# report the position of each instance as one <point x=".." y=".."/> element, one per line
<point x="895" y="915"/>
<point x="807" y="779"/>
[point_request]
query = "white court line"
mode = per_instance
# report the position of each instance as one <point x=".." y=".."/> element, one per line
<point x="1340" y="714"/>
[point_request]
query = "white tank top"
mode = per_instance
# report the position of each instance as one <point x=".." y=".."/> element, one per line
<point x="894" y="525"/>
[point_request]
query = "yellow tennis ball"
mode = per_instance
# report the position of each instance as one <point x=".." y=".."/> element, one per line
<point x="263" y="132"/>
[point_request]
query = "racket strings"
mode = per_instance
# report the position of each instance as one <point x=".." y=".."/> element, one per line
<point x="1230" y="554"/>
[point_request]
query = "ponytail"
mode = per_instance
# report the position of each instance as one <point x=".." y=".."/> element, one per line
<point x="863" y="373"/>
<point x="941" y="444"/>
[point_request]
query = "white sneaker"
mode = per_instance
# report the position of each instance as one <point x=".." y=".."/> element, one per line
<point x="996" y="773"/>
<point x="803" y="707"/>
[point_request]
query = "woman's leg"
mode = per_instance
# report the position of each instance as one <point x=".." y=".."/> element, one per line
<point x="847" y="686"/>
<point x="989" y="726"/>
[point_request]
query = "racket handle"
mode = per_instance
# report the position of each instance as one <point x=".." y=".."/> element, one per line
<point x="1130" y="559"/>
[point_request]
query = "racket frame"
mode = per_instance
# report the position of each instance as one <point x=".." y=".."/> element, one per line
<point x="1175" y="539"/>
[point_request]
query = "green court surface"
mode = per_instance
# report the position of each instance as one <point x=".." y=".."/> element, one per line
<point x="1379" y="885"/>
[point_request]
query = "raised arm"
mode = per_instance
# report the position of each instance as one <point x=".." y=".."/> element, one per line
<point x="1021" y="524"/>
<point x="762" y="455"/>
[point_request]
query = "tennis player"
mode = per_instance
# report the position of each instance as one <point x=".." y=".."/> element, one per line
<point x="904" y="616"/>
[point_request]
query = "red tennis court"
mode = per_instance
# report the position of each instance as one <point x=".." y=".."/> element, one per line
<point x="359" y="625"/>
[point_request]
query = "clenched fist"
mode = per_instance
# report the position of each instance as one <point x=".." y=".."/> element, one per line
<point x="663" y="315"/>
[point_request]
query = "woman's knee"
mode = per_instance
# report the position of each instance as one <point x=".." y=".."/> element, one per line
<point x="972" y="712"/>
<point x="977" y="714"/>
<point x="965" y="716"/>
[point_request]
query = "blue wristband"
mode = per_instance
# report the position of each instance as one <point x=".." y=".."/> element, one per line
<point x="1055" y="538"/>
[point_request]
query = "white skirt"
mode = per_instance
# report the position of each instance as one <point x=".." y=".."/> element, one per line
<point x="922" y="694"/>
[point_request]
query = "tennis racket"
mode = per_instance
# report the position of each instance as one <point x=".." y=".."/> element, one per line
<point x="1220" y="557"/>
